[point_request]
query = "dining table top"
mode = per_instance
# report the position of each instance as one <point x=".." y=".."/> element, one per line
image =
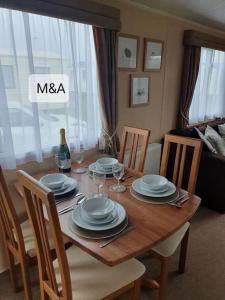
<point x="152" y="223"/>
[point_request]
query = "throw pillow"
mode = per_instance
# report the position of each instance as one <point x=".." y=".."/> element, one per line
<point x="222" y="130"/>
<point x="206" y="141"/>
<point x="215" y="139"/>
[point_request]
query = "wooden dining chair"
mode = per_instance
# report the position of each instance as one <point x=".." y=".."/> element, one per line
<point x="165" y="249"/>
<point x="134" y="135"/>
<point x="74" y="274"/>
<point x="14" y="235"/>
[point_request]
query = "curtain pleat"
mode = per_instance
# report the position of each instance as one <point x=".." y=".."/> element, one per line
<point x="105" y="44"/>
<point x="188" y="81"/>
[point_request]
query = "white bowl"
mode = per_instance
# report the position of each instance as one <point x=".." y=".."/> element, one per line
<point x="106" y="162"/>
<point x="154" y="182"/>
<point x="97" y="208"/>
<point x="54" y="181"/>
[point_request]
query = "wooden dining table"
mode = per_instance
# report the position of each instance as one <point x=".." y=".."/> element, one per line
<point x="152" y="223"/>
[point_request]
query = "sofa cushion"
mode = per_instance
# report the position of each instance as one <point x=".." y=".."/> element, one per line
<point x="216" y="140"/>
<point x="213" y="140"/>
<point x="206" y="140"/>
<point x="221" y="129"/>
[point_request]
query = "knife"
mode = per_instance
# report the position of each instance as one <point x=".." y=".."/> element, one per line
<point x="126" y="230"/>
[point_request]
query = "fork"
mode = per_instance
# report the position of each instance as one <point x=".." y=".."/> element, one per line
<point x="59" y="201"/>
<point x="180" y="201"/>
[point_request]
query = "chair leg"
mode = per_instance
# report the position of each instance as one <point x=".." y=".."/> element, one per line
<point x="12" y="271"/>
<point x="26" y="279"/>
<point x="44" y="296"/>
<point x="183" y="253"/>
<point x="135" y="291"/>
<point x="163" y="277"/>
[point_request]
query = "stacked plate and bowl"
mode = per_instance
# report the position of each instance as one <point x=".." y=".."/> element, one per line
<point x="154" y="189"/>
<point x="98" y="217"/>
<point x="61" y="185"/>
<point x="104" y="165"/>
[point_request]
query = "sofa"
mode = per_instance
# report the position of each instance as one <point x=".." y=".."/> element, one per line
<point x="211" y="178"/>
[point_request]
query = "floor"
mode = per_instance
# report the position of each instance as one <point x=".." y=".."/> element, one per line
<point x="205" y="275"/>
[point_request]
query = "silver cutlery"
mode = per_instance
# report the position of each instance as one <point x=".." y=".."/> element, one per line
<point x="71" y="206"/>
<point x="66" y="210"/>
<point x="58" y="201"/>
<point x="125" y="231"/>
<point x="179" y="202"/>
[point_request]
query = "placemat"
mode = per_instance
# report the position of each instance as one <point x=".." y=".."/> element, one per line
<point x="152" y="200"/>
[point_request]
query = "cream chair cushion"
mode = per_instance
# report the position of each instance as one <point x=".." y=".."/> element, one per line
<point x="29" y="239"/>
<point x="93" y="280"/>
<point x="167" y="247"/>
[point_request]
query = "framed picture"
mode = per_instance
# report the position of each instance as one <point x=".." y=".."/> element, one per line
<point x="127" y="52"/>
<point x="153" y="55"/>
<point x="140" y="90"/>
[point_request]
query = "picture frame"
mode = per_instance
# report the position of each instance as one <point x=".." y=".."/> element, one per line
<point x="140" y="90"/>
<point x="127" y="52"/>
<point x="153" y="55"/>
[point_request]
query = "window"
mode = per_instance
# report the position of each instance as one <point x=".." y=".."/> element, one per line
<point x="208" y="101"/>
<point x="8" y="76"/>
<point x="40" y="44"/>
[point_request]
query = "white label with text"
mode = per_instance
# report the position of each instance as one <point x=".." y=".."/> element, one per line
<point x="50" y="88"/>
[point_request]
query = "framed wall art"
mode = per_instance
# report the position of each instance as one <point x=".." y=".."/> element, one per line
<point x="127" y="52"/>
<point x="140" y="90"/>
<point x="153" y="55"/>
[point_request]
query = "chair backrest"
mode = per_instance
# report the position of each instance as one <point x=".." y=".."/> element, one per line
<point x="12" y="233"/>
<point x="179" y="163"/>
<point x="134" y="134"/>
<point x="40" y="205"/>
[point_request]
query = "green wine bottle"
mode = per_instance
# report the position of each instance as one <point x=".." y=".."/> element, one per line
<point x="64" y="152"/>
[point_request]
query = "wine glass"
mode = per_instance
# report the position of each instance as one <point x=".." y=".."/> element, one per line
<point x="79" y="158"/>
<point x="61" y="161"/>
<point x="99" y="180"/>
<point x="118" y="172"/>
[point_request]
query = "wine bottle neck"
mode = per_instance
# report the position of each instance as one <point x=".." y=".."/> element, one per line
<point x="63" y="140"/>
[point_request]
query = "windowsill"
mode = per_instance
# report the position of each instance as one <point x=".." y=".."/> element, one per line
<point x="204" y="122"/>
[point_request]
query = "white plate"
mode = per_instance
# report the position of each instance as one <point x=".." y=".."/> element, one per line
<point x="99" y="235"/>
<point x="111" y="217"/>
<point x="152" y="200"/>
<point x="136" y="185"/>
<point x="72" y="185"/>
<point x="77" y="219"/>
<point x="94" y="168"/>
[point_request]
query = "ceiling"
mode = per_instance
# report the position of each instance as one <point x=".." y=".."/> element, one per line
<point x="206" y="12"/>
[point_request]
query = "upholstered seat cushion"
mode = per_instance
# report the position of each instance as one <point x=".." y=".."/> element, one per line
<point x="29" y="240"/>
<point x="167" y="247"/>
<point x="93" y="280"/>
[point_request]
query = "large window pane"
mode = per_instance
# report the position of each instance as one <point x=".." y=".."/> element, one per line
<point x="41" y="45"/>
<point x="209" y="96"/>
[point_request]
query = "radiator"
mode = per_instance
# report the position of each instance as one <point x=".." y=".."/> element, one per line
<point x="152" y="160"/>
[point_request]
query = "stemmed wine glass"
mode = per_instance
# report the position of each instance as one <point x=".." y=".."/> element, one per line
<point x="99" y="180"/>
<point x="79" y="158"/>
<point x="118" y="172"/>
<point x="61" y="161"/>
